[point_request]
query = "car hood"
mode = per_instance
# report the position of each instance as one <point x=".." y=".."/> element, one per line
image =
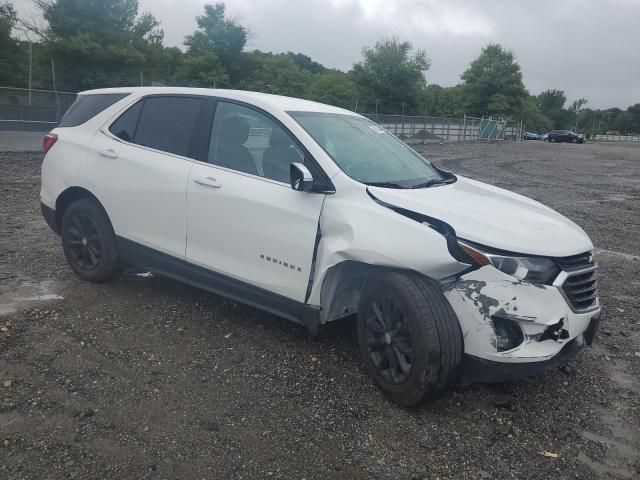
<point x="493" y="217"/>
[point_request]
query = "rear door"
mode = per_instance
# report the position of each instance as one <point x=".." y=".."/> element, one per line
<point x="244" y="221"/>
<point x="141" y="164"/>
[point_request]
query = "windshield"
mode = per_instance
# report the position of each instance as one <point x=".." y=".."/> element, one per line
<point x="368" y="153"/>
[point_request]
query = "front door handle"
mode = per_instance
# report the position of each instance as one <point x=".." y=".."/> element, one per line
<point x="109" y="153"/>
<point x="207" y="182"/>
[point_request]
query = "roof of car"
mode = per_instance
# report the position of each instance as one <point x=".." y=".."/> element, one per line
<point x="262" y="100"/>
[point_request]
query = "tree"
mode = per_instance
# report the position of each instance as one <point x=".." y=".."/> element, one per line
<point x="442" y="101"/>
<point x="551" y="105"/>
<point x="12" y="58"/>
<point x="390" y="74"/>
<point x="221" y="36"/>
<point x="98" y="43"/>
<point x="306" y="63"/>
<point x="574" y="111"/>
<point x="333" y="87"/>
<point x="493" y="83"/>
<point x="273" y="73"/>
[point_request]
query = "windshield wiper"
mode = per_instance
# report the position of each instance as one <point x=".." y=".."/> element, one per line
<point x="432" y="182"/>
<point x="385" y="184"/>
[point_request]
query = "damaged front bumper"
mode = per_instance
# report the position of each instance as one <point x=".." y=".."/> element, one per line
<point x="542" y="330"/>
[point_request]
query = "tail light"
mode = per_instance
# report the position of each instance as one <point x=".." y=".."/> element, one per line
<point x="49" y="141"/>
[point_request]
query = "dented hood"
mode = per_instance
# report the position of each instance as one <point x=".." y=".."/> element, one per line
<point x="493" y="217"/>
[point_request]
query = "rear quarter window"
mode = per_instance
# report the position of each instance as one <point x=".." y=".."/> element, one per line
<point x="88" y="106"/>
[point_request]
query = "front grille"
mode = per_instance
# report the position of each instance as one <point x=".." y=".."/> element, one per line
<point x="579" y="285"/>
<point x="582" y="260"/>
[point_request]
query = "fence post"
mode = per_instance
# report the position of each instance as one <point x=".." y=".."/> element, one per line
<point x="402" y="133"/>
<point x="464" y="128"/>
<point x="424" y="132"/>
<point x="55" y="90"/>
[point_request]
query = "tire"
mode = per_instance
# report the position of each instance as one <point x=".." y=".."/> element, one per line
<point x="574" y="140"/>
<point x="552" y="140"/>
<point x="405" y="317"/>
<point x="89" y="242"/>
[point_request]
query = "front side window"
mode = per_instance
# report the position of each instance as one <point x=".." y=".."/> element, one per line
<point x="248" y="141"/>
<point x="368" y="153"/>
<point x="167" y="124"/>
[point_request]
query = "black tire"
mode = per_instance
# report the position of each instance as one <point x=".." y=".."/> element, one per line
<point x="574" y="140"/>
<point x="425" y="336"/>
<point x="89" y="242"/>
<point x="552" y="140"/>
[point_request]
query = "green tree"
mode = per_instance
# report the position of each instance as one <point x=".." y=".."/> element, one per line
<point x="442" y="101"/>
<point x="12" y="56"/>
<point x="334" y="88"/>
<point x="391" y="74"/>
<point x="273" y="73"/>
<point x="551" y="104"/>
<point x="574" y="112"/>
<point x="98" y="43"/>
<point x="306" y="63"/>
<point x="493" y="84"/>
<point x="221" y="36"/>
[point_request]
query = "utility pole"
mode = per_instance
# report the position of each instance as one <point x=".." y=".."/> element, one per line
<point x="30" y="69"/>
<point x="55" y="89"/>
<point x="141" y="80"/>
<point x="377" y="107"/>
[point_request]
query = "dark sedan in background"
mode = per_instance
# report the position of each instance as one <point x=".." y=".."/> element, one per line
<point x="564" y="136"/>
<point x="530" y="136"/>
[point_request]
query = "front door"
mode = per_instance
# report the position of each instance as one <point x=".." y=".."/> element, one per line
<point x="243" y="220"/>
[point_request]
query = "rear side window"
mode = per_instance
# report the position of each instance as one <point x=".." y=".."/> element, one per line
<point x="88" y="106"/>
<point x="168" y="123"/>
<point x="125" y="126"/>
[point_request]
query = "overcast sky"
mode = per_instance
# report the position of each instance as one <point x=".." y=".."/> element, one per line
<point x="588" y="48"/>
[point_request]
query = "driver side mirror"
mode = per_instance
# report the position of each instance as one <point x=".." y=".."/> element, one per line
<point x="301" y="178"/>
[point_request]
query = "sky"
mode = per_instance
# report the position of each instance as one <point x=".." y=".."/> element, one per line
<point x="588" y="48"/>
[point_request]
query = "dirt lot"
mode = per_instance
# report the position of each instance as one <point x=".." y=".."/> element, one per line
<point x="148" y="378"/>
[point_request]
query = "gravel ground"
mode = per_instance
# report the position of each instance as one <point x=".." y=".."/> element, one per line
<point x="147" y="378"/>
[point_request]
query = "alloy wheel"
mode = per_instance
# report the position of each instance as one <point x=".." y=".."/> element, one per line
<point x="85" y="243"/>
<point x="389" y="340"/>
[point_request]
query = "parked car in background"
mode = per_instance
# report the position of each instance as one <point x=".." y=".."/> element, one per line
<point x="544" y="137"/>
<point x="315" y="213"/>
<point x="530" y="136"/>
<point x="565" y="136"/>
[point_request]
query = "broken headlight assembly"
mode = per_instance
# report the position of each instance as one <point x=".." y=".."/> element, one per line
<point x="531" y="269"/>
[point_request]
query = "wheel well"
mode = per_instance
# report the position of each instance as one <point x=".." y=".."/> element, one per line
<point x="69" y="196"/>
<point x="342" y="288"/>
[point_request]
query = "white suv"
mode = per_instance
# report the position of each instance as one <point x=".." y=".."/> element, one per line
<point x="315" y="213"/>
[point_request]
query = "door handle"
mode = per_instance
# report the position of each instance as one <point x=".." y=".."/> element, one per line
<point x="207" y="182"/>
<point x="109" y="153"/>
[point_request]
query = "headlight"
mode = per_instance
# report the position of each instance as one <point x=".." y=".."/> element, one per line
<point x="532" y="269"/>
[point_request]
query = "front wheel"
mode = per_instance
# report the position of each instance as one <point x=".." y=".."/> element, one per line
<point x="89" y="242"/>
<point x="410" y="338"/>
<point x="574" y="140"/>
<point x="552" y="140"/>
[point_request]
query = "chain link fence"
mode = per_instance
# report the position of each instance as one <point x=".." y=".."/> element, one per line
<point x="40" y="110"/>
<point x="32" y="110"/>
<point x="426" y="129"/>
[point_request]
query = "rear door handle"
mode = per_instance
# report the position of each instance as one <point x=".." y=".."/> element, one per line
<point x="207" y="182"/>
<point x="109" y="153"/>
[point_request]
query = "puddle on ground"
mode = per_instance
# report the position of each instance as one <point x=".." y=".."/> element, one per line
<point x="27" y="291"/>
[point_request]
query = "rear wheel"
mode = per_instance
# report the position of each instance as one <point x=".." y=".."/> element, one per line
<point x="410" y="338"/>
<point x="89" y="242"/>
